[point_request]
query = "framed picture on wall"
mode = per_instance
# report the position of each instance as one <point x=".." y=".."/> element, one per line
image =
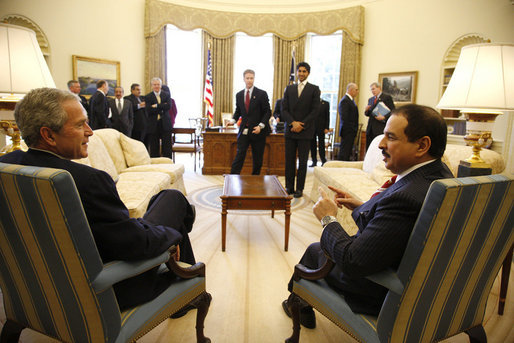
<point x="87" y="71"/>
<point x="400" y="86"/>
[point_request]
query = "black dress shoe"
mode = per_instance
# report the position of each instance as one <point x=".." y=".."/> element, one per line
<point x="298" y="194"/>
<point x="313" y="164"/>
<point x="307" y="316"/>
<point x="289" y="191"/>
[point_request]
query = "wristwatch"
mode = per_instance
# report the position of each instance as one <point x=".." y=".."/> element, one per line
<point x="327" y="220"/>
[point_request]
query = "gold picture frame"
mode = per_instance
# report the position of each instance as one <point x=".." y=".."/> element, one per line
<point x="87" y="71"/>
<point x="401" y="86"/>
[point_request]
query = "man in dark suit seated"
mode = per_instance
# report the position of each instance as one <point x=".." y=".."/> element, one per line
<point x="54" y="125"/>
<point x="252" y="106"/>
<point x="413" y="144"/>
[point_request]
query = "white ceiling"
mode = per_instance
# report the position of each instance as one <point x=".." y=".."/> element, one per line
<point x="270" y="6"/>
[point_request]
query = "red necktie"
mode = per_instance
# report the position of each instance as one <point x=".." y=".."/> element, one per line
<point x="385" y="186"/>
<point x="247" y="100"/>
<point x="375" y="101"/>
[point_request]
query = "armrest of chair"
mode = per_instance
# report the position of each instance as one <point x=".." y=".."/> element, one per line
<point x="388" y="279"/>
<point x="189" y="272"/>
<point x="302" y="272"/>
<point x="117" y="271"/>
<point x="161" y="160"/>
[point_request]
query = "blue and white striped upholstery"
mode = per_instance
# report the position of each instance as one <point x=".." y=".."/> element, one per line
<point x="460" y="239"/>
<point x="49" y="263"/>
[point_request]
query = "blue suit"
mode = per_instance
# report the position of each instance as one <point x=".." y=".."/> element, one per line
<point x="117" y="236"/>
<point x="385" y="223"/>
<point x="258" y="112"/>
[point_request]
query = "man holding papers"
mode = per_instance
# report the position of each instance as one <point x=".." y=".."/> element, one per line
<point x="378" y="110"/>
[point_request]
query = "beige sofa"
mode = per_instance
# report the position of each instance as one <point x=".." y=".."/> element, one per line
<point x="362" y="178"/>
<point x="138" y="177"/>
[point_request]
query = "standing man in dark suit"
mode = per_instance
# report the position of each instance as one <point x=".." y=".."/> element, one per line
<point x="74" y="87"/>
<point x="413" y="144"/>
<point x="99" y="116"/>
<point x="348" y="121"/>
<point x="277" y="110"/>
<point x="300" y="106"/>
<point x="122" y="114"/>
<point x="54" y="126"/>
<point x="377" y="122"/>
<point x="158" y="134"/>
<point x="252" y="105"/>
<point x="322" y="125"/>
<point x="138" y="108"/>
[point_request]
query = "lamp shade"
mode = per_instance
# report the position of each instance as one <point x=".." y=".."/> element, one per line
<point x="22" y="65"/>
<point x="483" y="80"/>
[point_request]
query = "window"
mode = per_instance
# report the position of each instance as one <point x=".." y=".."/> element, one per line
<point x="254" y="53"/>
<point x="324" y="54"/>
<point x="184" y="63"/>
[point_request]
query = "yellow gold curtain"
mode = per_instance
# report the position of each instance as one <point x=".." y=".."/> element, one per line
<point x="155" y="57"/>
<point x="222" y="53"/>
<point x="282" y="54"/>
<point x="350" y="68"/>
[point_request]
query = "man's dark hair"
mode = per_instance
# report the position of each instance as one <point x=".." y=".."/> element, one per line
<point x="100" y="83"/>
<point x="425" y="121"/>
<point x="305" y="65"/>
<point x="133" y="86"/>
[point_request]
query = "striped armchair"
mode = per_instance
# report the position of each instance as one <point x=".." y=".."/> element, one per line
<point x="462" y="235"/>
<point x="51" y="275"/>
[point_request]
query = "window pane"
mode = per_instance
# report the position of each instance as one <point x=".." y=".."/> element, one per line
<point x="254" y="53"/>
<point x="325" y="61"/>
<point x="184" y="52"/>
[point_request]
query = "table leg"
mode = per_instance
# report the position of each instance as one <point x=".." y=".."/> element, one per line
<point x="287" y="222"/>
<point x="223" y="223"/>
<point x="272" y="213"/>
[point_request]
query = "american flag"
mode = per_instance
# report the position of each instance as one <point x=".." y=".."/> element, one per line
<point x="208" y="95"/>
<point x="292" y="73"/>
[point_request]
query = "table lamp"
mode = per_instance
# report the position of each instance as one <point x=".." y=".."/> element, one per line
<point x="481" y="87"/>
<point x="23" y="68"/>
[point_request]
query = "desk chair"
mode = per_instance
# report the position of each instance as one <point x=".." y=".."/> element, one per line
<point x="51" y="275"/>
<point x="457" y="246"/>
<point x="192" y="145"/>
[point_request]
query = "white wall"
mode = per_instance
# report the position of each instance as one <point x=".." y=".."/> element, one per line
<point x="111" y="30"/>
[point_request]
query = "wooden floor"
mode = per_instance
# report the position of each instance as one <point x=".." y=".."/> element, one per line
<point x="248" y="281"/>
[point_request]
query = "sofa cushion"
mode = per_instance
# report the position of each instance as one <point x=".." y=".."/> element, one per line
<point x="373" y="156"/>
<point x="111" y="139"/>
<point x="135" y="151"/>
<point x="454" y="153"/>
<point x="99" y="158"/>
<point x="175" y="171"/>
<point x="136" y="190"/>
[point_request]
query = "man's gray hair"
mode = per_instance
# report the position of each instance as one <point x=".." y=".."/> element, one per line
<point x="41" y="107"/>
<point x="376" y="84"/>
<point x="248" y="71"/>
<point x="351" y="85"/>
<point x="156" y="79"/>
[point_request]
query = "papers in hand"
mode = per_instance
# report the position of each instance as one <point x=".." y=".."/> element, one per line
<point x="381" y="109"/>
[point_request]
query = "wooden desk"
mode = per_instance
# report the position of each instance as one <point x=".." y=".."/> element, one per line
<point x="254" y="192"/>
<point x="219" y="150"/>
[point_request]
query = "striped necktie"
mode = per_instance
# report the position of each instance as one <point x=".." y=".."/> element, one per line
<point x="385" y="186"/>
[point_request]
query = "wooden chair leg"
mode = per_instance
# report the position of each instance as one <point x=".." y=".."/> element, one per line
<point x="477" y="334"/>
<point x="504" y="285"/>
<point x="294" y="307"/>
<point x="11" y="332"/>
<point x="202" y="303"/>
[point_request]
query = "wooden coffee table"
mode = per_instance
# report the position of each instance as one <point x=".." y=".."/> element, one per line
<point x="254" y="192"/>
